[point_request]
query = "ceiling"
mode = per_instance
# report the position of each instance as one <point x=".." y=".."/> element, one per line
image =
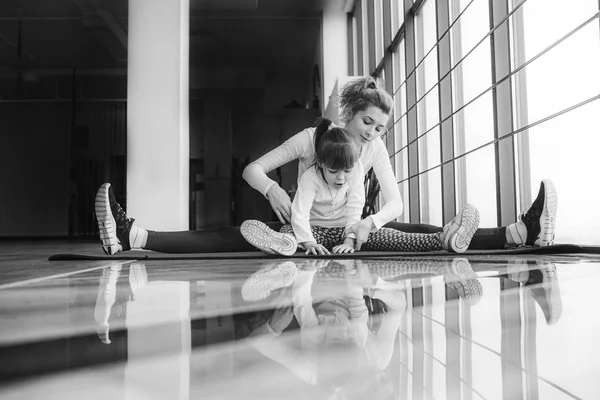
<point x="273" y="38"/>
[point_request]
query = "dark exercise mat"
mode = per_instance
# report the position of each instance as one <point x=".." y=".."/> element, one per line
<point x="150" y="255"/>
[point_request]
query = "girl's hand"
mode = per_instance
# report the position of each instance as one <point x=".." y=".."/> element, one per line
<point x="346" y="247"/>
<point x="343" y="248"/>
<point x="280" y="203"/>
<point x="316" y="249"/>
<point x="361" y="229"/>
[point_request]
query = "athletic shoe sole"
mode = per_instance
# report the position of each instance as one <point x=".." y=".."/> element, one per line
<point x="266" y="239"/>
<point x="548" y="217"/>
<point x="263" y="282"/>
<point x="468" y="222"/>
<point x="106" y="222"/>
<point x="459" y="275"/>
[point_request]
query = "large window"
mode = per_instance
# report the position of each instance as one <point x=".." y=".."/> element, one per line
<point x="493" y="97"/>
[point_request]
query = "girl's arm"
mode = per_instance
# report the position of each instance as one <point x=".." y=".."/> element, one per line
<point x="302" y="300"/>
<point x="308" y="188"/>
<point x="392" y="207"/>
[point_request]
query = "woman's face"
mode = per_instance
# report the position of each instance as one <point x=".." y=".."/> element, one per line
<point x="368" y="125"/>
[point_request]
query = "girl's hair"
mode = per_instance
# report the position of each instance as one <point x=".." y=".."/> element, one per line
<point x="360" y="94"/>
<point x="335" y="148"/>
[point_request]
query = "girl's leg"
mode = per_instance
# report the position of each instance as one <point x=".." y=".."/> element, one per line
<point x="484" y="238"/>
<point x="455" y="236"/>
<point x="328" y="237"/>
<point x="387" y="239"/>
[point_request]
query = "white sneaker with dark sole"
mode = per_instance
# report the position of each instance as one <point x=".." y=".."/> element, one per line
<point x="540" y="219"/>
<point x="457" y="234"/>
<point x="106" y="221"/>
<point x="259" y="235"/>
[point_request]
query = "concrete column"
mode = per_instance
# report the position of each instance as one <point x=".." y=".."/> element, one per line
<point x="335" y="51"/>
<point x="157" y="107"/>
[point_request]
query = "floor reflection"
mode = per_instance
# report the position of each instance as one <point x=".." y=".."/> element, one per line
<point x="368" y="328"/>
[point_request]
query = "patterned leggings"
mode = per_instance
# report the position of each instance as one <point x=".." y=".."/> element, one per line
<point x="385" y="239"/>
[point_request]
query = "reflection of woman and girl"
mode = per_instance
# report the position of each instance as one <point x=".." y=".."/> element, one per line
<point x="348" y="312"/>
<point x="336" y="348"/>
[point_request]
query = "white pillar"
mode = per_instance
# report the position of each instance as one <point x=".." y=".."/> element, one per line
<point x="335" y="46"/>
<point x="157" y="107"/>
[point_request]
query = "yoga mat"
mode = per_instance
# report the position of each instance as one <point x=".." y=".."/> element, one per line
<point x="150" y="255"/>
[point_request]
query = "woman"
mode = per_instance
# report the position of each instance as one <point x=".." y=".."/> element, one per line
<point x="366" y="110"/>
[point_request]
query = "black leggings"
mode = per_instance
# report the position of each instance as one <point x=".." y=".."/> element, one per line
<point x="229" y="239"/>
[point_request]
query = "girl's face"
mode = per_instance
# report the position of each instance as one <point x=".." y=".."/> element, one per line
<point x="336" y="178"/>
<point x="336" y="328"/>
<point x="368" y="125"/>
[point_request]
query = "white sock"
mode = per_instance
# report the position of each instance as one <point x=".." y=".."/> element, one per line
<point x="516" y="233"/>
<point x="138" y="237"/>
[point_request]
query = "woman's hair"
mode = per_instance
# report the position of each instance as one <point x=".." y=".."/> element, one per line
<point x="335" y="147"/>
<point x="360" y="94"/>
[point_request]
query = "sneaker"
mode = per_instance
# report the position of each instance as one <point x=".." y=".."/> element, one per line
<point x="259" y="235"/>
<point x="460" y="276"/>
<point x="457" y="234"/>
<point x="540" y="219"/>
<point x="260" y="284"/>
<point x="113" y="223"/>
<point x="543" y="286"/>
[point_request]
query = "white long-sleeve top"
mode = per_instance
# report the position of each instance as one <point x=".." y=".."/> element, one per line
<point x="301" y="147"/>
<point x="316" y="204"/>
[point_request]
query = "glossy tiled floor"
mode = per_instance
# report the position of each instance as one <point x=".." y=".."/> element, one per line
<point x="444" y="328"/>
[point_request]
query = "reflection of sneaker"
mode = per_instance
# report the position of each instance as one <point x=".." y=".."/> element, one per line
<point x="266" y="239"/>
<point x="543" y="285"/>
<point x="540" y="219"/>
<point x="260" y="284"/>
<point x="459" y="275"/>
<point x="457" y="234"/>
<point x="113" y="223"/>
<point x="107" y="292"/>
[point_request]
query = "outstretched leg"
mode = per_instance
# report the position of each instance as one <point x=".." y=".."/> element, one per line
<point x="536" y="227"/>
<point x="118" y="233"/>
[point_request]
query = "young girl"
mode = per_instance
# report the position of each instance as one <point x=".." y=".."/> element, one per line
<point x="329" y="201"/>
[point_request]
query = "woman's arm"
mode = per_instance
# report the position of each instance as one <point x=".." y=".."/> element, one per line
<point x="392" y="207"/>
<point x="255" y="173"/>
<point x="356" y="196"/>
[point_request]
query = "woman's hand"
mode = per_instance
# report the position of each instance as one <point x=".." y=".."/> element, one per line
<point x="361" y="229"/>
<point x="316" y="249"/>
<point x="280" y="203"/>
<point x="280" y="319"/>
